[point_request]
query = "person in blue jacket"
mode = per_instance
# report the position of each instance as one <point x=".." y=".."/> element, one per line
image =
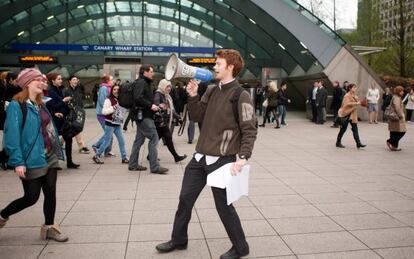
<point x="31" y="140"/>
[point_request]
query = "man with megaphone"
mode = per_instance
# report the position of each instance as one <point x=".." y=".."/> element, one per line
<point x="226" y="137"/>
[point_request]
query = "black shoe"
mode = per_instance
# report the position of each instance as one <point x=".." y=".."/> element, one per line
<point x="340" y="145"/>
<point x="161" y="170"/>
<point x="261" y="125"/>
<point x="233" y="254"/>
<point x="180" y="158"/>
<point x="190" y="142"/>
<point x="138" y="168"/>
<point x="169" y="247"/>
<point x="125" y="161"/>
<point x="97" y="160"/>
<point x="59" y="168"/>
<point x="72" y="166"/>
<point x="360" y="145"/>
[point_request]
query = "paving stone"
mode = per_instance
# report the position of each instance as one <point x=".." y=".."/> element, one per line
<point x="386" y="238"/>
<point x="367" y="221"/>
<point x="84" y="251"/>
<point x="287" y="211"/>
<point x="364" y="254"/>
<point x="196" y="249"/>
<point x="347" y="208"/>
<point x="20" y="252"/>
<point x="97" y="218"/>
<point x="267" y="247"/>
<point x="304" y="225"/>
<point x="322" y="242"/>
<point x="397" y="253"/>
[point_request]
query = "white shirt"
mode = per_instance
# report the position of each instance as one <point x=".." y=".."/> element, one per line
<point x="373" y="95"/>
<point x="314" y="92"/>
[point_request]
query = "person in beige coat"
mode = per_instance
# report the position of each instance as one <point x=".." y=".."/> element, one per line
<point x="349" y="115"/>
<point x="397" y="128"/>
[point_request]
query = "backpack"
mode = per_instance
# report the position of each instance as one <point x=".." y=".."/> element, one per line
<point x="126" y="95"/>
<point x="4" y="157"/>
<point x="235" y="104"/>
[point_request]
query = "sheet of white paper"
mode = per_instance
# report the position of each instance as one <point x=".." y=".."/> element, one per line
<point x="238" y="185"/>
<point x="216" y="178"/>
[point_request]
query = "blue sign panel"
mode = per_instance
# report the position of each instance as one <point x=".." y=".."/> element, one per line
<point x="115" y="48"/>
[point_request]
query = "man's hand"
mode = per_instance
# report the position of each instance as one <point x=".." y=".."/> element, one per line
<point x="155" y="108"/>
<point x="59" y="115"/>
<point x="67" y="99"/>
<point x="20" y="171"/>
<point x="237" y="166"/>
<point x="192" y="88"/>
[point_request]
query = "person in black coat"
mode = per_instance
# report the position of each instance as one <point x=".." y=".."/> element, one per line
<point x="338" y="96"/>
<point x="164" y="117"/>
<point x="58" y="107"/>
<point x="282" y="102"/>
<point x="312" y="99"/>
<point x="12" y="88"/>
<point x="321" y="98"/>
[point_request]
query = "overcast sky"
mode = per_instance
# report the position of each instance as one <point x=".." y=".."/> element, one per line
<point x="346" y="12"/>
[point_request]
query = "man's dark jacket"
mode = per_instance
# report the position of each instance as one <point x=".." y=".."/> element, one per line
<point x="143" y="96"/>
<point x="321" y="97"/>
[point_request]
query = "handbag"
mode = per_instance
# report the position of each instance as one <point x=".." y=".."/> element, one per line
<point x="342" y="120"/>
<point x="390" y="113"/>
<point x="265" y="103"/>
<point x="74" y="121"/>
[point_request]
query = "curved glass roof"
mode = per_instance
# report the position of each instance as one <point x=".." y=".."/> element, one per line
<point x="197" y="23"/>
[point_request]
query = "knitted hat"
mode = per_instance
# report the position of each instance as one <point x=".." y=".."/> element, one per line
<point x="28" y="75"/>
<point x="163" y="84"/>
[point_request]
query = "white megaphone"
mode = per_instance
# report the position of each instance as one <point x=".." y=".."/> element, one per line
<point x="176" y="68"/>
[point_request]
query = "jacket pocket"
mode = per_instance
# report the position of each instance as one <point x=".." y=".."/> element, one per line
<point x="227" y="135"/>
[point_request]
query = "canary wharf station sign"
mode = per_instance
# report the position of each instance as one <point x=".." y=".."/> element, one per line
<point x="112" y="48"/>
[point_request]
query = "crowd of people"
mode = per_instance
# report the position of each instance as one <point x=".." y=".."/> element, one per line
<point x="40" y="117"/>
<point x="42" y="110"/>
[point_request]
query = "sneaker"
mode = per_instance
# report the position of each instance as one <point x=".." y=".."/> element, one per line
<point x="110" y="154"/>
<point x="84" y="150"/>
<point x="52" y="232"/>
<point x="3" y="222"/>
<point x="125" y="160"/>
<point x="161" y="170"/>
<point x="138" y="168"/>
<point x="97" y="160"/>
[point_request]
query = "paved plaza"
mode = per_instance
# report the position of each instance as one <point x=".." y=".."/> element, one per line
<point x="307" y="199"/>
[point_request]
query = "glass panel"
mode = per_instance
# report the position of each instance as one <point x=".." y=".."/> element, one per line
<point x="20" y="16"/>
<point x="122" y="6"/>
<point x="110" y="7"/>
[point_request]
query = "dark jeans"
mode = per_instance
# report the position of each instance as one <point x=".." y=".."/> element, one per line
<point x="395" y="138"/>
<point x="165" y="133"/>
<point x="267" y="115"/>
<point x="342" y="131"/>
<point x="409" y="114"/>
<point x="195" y="178"/>
<point x="127" y="120"/>
<point x="335" y="111"/>
<point x="321" y="110"/>
<point x="32" y="189"/>
<point x="314" y="111"/>
<point x="68" y="150"/>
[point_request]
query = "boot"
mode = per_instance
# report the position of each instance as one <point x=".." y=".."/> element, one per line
<point x="356" y="136"/>
<point x="339" y="139"/>
<point x="52" y="232"/>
